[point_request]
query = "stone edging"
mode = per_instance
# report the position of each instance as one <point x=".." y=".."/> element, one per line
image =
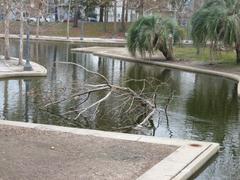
<point x="181" y="164"/>
<point x="38" y="71"/>
<point x="85" y="41"/>
<point x="163" y="64"/>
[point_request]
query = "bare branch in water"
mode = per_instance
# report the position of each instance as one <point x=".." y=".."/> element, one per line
<point x="142" y="106"/>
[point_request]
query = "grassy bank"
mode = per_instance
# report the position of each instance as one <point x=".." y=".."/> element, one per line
<point x="190" y="53"/>
<point x="91" y="29"/>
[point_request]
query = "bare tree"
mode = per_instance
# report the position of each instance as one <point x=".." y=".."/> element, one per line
<point x="126" y="9"/>
<point x="123" y="15"/>
<point x="20" y="62"/>
<point x="68" y="20"/>
<point x="7" y="11"/>
<point x="40" y="7"/>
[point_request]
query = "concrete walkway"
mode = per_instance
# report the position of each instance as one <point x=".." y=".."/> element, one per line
<point x="34" y="151"/>
<point x="231" y="72"/>
<point x="86" y="41"/>
<point x="11" y="69"/>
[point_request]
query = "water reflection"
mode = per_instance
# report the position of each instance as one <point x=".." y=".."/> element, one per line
<point x="5" y="104"/>
<point x="203" y="108"/>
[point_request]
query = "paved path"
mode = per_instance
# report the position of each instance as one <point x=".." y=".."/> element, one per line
<point x="34" y="154"/>
<point x="35" y="151"/>
<point x="11" y="69"/>
<point x="87" y="41"/>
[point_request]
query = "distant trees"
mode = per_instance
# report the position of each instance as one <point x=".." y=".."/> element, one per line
<point x="88" y="6"/>
<point x="218" y="21"/>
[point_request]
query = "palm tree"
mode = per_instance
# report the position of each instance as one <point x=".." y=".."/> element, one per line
<point x="152" y="33"/>
<point x="218" y="21"/>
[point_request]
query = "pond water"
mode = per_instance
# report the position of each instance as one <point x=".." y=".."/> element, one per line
<point x="204" y="108"/>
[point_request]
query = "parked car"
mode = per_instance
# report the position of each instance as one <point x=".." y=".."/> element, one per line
<point x="92" y="19"/>
<point x="42" y="19"/>
<point x="70" y="20"/>
<point x="50" y="18"/>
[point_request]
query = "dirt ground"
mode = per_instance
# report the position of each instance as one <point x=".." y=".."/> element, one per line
<point x="35" y="154"/>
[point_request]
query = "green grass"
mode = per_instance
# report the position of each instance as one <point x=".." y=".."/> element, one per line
<point x="190" y="53"/>
<point x="91" y="29"/>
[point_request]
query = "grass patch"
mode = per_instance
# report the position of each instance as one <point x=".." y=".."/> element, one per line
<point x="190" y="53"/>
<point x="91" y="29"/>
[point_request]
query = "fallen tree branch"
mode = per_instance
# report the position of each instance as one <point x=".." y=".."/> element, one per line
<point x="141" y="106"/>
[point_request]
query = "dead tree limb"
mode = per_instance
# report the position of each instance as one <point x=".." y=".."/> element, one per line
<point x="139" y="106"/>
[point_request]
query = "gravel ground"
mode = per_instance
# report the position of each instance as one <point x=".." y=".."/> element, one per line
<point x="35" y="154"/>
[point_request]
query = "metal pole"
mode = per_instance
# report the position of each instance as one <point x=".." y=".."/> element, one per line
<point x="27" y="65"/>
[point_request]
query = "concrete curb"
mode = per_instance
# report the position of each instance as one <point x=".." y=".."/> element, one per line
<point x="38" y="71"/>
<point x="181" y="164"/>
<point x="85" y="41"/>
<point x="163" y="64"/>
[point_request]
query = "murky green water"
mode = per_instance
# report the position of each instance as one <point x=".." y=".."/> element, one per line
<point x="204" y="108"/>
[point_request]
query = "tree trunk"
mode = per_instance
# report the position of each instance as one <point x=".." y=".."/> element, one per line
<point x="101" y="13"/>
<point x="38" y="23"/>
<point x="76" y="16"/>
<point x="56" y="10"/>
<point x="20" y="61"/>
<point x="168" y="53"/>
<point x="123" y="15"/>
<point x="126" y="15"/>
<point x="68" y="20"/>
<point x="105" y="19"/>
<point x="115" y="17"/>
<point x="141" y="7"/>
<point x="6" y="23"/>
<point x="238" y="52"/>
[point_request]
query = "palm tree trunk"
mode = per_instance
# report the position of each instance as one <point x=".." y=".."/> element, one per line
<point x="168" y="54"/>
<point x="238" y="52"/>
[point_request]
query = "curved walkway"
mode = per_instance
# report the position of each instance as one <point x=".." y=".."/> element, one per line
<point x="113" y="42"/>
<point x="11" y="69"/>
<point x="190" y="66"/>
